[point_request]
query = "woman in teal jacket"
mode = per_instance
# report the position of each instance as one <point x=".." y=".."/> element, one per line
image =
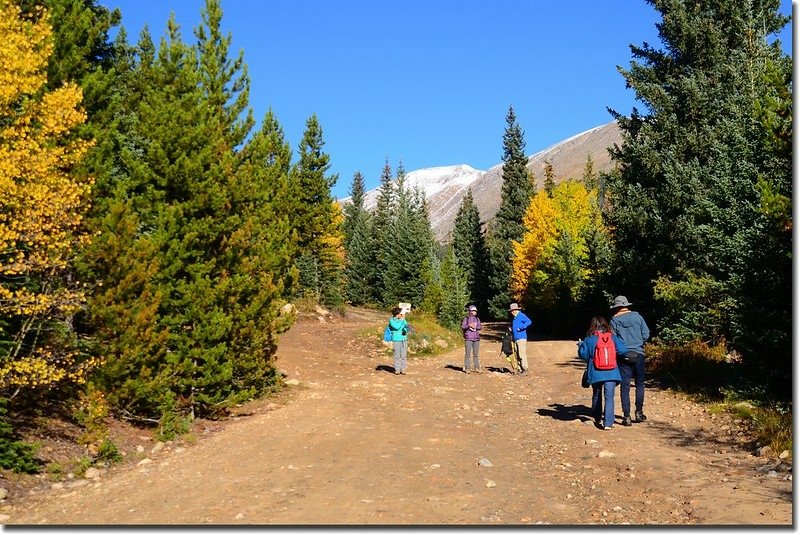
<point x="398" y="326"/>
<point x="603" y="382"/>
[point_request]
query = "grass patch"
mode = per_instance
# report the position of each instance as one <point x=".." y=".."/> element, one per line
<point x="707" y="375"/>
<point x="428" y="339"/>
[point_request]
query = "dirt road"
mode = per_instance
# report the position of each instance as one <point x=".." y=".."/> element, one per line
<point x="356" y="444"/>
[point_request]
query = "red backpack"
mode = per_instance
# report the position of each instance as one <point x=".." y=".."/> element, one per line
<point x="605" y="354"/>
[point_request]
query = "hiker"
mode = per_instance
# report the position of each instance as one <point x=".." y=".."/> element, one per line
<point x="631" y="327"/>
<point x="471" y="325"/>
<point x="519" y="331"/>
<point x="602" y="369"/>
<point x="399" y="328"/>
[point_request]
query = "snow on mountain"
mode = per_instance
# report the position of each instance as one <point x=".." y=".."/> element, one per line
<point x="444" y="187"/>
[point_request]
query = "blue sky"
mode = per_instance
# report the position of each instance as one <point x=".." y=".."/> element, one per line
<point x="425" y="82"/>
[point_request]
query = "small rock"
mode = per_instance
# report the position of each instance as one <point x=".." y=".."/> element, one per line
<point x="239" y="516"/>
<point x="784" y="454"/>
<point x="158" y="447"/>
<point x="57" y="486"/>
<point x="617" y="509"/>
<point x="490" y="483"/>
<point x="765" y="451"/>
<point x="772" y="473"/>
<point x="92" y="473"/>
<point x="4" y="518"/>
<point x="605" y="453"/>
<point x="485" y="462"/>
<point x="144" y="461"/>
<point x="140" y="448"/>
<point x="3" y="493"/>
<point x="292" y="382"/>
<point x="78" y="483"/>
<point x="590" y="441"/>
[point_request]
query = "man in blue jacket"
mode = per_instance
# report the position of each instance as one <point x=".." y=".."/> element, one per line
<point x="631" y="327"/>
<point x="519" y="330"/>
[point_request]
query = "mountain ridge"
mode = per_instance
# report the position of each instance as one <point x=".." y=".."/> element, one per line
<point x="445" y="186"/>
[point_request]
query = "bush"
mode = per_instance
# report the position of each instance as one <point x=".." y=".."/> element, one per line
<point x="15" y="454"/>
<point x="692" y="367"/>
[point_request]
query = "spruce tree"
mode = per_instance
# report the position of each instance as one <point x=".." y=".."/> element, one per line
<point x="360" y="274"/>
<point x="454" y="286"/>
<point x="320" y="260"/>
<point x="507" y="226"/>
<point x="383" y="220"/>
<point x="686" y="202"/>
<point x="549" y="178"/>
<point x="469" y="247"/>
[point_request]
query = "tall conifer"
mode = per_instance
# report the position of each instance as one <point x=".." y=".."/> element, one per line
<point x="507" y="226"/>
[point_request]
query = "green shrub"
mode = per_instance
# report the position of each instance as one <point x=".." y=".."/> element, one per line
<point x="108" y="451"/>
<point x="15" y="454"/>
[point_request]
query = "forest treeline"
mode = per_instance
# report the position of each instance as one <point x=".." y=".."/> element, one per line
<point x="155" y="241"/>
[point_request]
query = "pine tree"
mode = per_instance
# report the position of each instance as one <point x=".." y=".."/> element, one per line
<point x="383" y="221"/>
<point x="469" y="247"/>
<point x="589" y="174"/>
<point x="549" y="178"/>
<point x="507" y="225"/>
<point x="685" y="201"/>
<point x="454" y="286"/>
<point x="360" y="274"/>
<point x="320" y="260"/>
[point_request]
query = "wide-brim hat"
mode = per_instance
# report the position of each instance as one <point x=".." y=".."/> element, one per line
<point x="514" y="306"/>
<point x="472" y="307"/>
<point x="620" y="301"/>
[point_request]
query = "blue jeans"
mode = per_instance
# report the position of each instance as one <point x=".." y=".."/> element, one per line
<point x="636" y="372"/>
<point x="603" y="391"/>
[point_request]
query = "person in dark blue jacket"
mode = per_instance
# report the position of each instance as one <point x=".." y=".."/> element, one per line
<point x="603" y="382"/>
<point x="631" y="327"/>
<point x="519" y="331"/>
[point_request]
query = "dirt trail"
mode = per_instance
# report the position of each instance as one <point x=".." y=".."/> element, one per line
<point x="358" y="445"/>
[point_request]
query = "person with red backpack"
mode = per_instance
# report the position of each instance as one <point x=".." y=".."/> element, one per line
<point x="600" y="349"/>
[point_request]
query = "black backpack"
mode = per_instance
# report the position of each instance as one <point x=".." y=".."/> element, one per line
<point x="507" y="344"/>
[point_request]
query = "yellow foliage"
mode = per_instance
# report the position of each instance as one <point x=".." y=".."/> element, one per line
<point x="41" y="205"/>
<point x="572" y="209"/>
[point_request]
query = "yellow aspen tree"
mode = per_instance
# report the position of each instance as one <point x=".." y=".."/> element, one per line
<point x="41" y="208"/>
<point x="539" y="238"/>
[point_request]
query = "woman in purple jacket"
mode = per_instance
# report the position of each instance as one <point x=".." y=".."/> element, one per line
<point x="471" y="325"/>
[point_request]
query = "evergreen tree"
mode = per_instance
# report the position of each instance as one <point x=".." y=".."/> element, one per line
<point x="469" y="247"/>
<point x="589" y="174"/>
<point x="455" y="297"/>
<point x="507" y="225"/>
<point x="549" y="178"/>
<point x="686" y="202"/>
<point x="383" y="221"/>
<point x="320" y="260"/>
<point x="411" y="239"/>
<point x="360" y="274"/>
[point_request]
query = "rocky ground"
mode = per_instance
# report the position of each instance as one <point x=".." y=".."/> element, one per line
<point x="351" y="443"/>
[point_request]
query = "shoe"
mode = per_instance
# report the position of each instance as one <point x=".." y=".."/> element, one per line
<point x="607" y="428"/>
<point x="524" y="373"/>
<point x="403" y="372"/>
<point x="396" y="372"/>
<point x="466" y="370"/>
<point x="640" y="417"/>
<point x="598" y="422"/>
<point x="626" y="421"/>
<point x="478" y="370"/>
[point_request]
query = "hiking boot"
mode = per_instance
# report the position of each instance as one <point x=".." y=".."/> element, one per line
<point x="478" y="370"/>
<point x="626" y="421"/>
<point x="466" y="370"/>
<point x="607" y="428"/>
<point x="524" y="373"/>
<point x="640" y="417"/>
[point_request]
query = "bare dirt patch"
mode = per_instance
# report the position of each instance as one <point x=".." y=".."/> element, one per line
<point x="353" y="443"/>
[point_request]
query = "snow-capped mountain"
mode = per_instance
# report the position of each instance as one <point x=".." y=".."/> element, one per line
<point x="444" y="187"/>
